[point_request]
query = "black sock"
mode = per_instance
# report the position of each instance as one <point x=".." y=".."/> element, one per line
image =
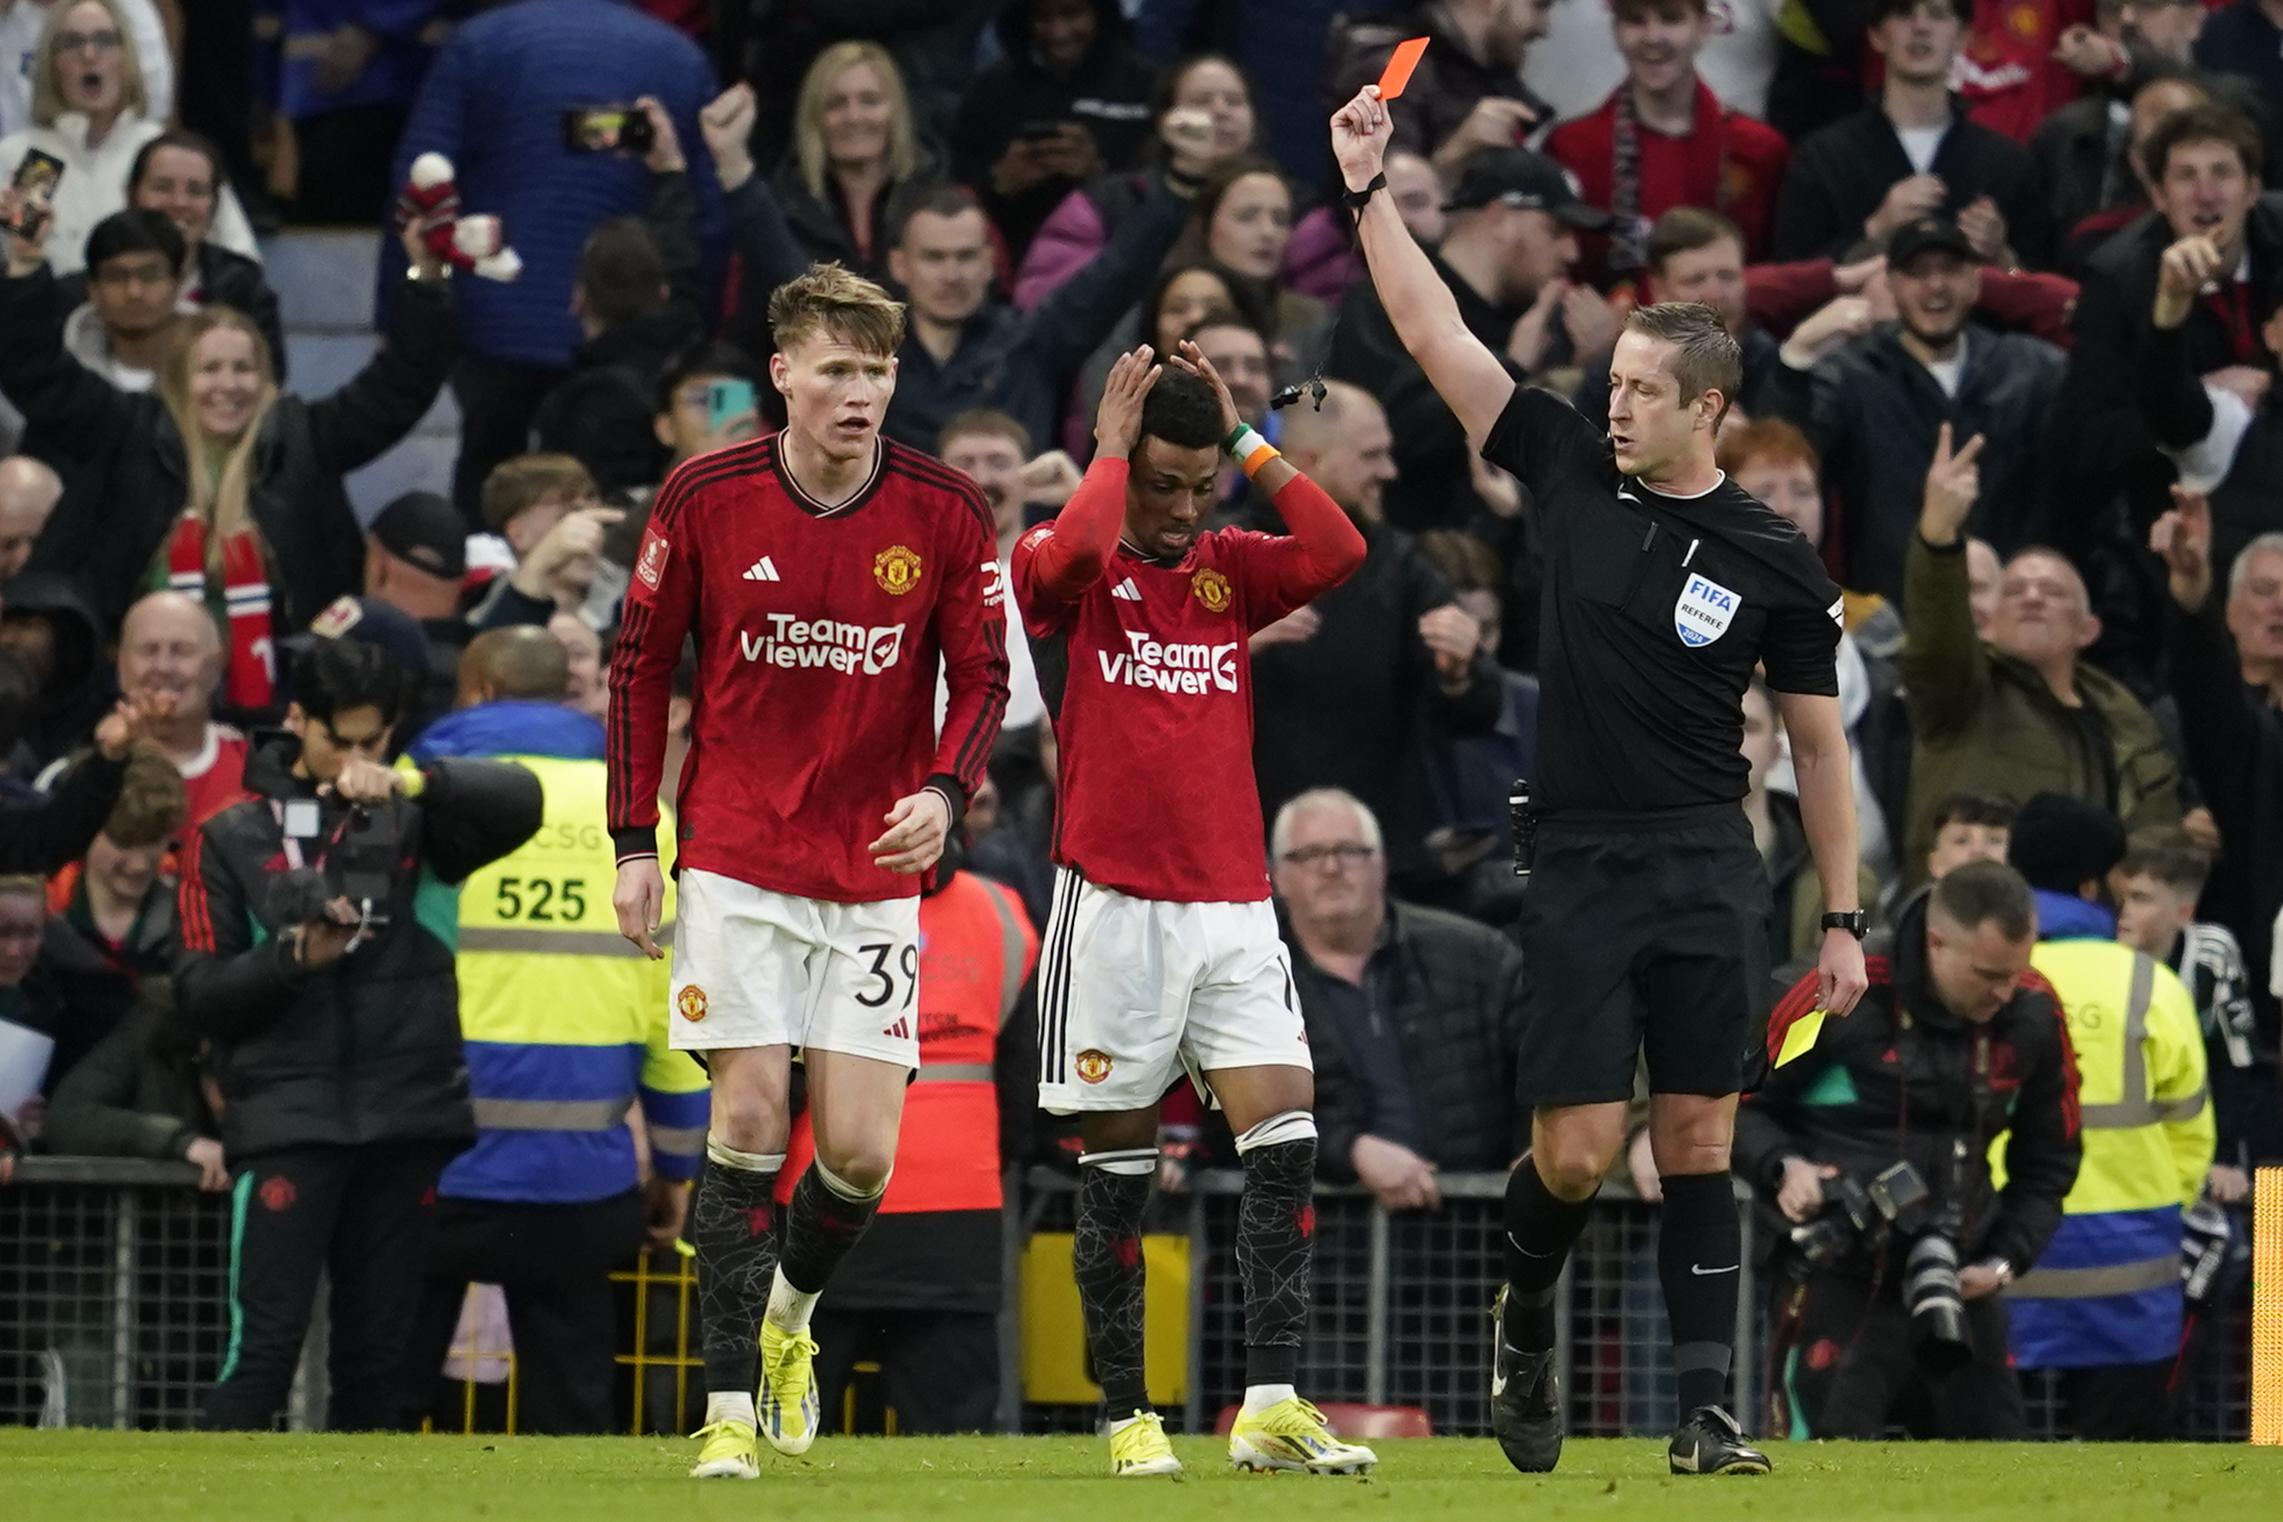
<point x="1106" y="1258"/>
<point x="1276" y="1232"/>
<point x="821" y="1225"/>
<point x="731" y="1225"/>
<point x="1700" y="1250"/>
<point x="1540" y="1231"/>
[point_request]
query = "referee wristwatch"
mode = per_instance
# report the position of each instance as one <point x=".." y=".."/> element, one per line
<point x="1855" y="922"/>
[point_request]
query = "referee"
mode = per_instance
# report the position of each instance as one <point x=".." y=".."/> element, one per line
<point x="1665" y="585"/>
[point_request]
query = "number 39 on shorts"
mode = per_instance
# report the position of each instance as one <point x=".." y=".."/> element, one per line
<point x="892" y="975"/>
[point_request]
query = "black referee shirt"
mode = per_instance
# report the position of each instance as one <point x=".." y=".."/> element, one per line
<point x="1656" y="610"/>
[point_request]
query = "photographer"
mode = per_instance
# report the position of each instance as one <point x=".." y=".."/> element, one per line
<point x="309" y="958"/>
<point x="1874" y="1144"/>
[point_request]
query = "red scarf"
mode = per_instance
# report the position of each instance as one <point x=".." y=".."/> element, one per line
<point x="1707" y="174"/>
<point x="250" y="677"/>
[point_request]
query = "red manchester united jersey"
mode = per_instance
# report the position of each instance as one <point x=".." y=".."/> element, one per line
<point x="1145" y="667"/>
<point x="818" y="632"/>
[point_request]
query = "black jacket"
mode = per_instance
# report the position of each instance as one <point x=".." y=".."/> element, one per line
<point x="98" y="986"/>
<point x="1451" y="991"/>
<point x="367" y="1049"/>
<point x="126" y="480"/>
<point x="1873" y="413"/>
<point x="40" y="834"/>
<point x="820" y="223"/>
<point x="1841" y="173"/>
<point x="1446" y="87"/>
<point x="225" y="279"/>
<point x="135" y="1095"/>
<point x="1896" y="1081"/>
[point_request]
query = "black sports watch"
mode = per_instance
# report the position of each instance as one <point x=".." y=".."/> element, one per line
<point x="1854" y="921"/>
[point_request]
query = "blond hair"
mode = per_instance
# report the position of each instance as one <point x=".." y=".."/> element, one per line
<point x="808" y="111"/>
<point x="220" y="471"/>
<point x="840" y="303"/>
<point x="47" y="96"/>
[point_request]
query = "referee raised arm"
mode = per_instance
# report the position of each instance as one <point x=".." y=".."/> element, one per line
<point x="1665" y="585"/>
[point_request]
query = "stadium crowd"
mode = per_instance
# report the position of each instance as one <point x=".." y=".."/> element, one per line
<point x="2009" y="289"/>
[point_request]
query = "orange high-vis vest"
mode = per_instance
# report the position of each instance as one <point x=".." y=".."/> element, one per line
<point x="977" y="950"/>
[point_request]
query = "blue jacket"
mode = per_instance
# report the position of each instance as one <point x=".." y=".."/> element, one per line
<point x="511" y="727"/>
<point x="402" y="31"/>
<point x="494" y="104"/>
<point x="2062" y="917"/>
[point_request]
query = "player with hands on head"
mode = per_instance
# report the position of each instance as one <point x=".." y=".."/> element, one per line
<point x="1162" y="948"/>
<point x="1666" y="586"/>
<point x="825" y="573"/>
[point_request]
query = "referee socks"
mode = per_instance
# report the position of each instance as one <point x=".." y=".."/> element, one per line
<point x="1700" y="1251"/>
<point x="1541" y="1228"/>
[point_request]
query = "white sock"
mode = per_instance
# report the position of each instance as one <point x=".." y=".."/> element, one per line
<point x="1126" y="1421"/>
<point x="1259" y="1398"/>
<point x="730" y="1406"/>
<point x="789" y="1308"/>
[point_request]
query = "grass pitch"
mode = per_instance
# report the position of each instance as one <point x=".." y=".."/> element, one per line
<point x="150" y="1477"/>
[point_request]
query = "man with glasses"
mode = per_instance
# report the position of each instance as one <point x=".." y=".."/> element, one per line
<point x="1414" y="1016"/>
<point x="134" y="270"/>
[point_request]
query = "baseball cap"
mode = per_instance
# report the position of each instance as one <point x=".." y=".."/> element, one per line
<point x="427" y="531"/>
<point x="1915" y="237"/>
<point x="370" y="621"/>
<point x="1531" y="181"/>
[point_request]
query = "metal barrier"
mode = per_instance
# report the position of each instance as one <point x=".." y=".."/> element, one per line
<point x="114" y="1311"/>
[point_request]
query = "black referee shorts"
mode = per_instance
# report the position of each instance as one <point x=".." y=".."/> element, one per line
<point x="1641" y="939"/>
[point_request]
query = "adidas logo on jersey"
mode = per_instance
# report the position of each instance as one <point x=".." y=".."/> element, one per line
<point x="1126" y="591"/>
<point x="901" y="1030"/>
<point x="763" y="569"/>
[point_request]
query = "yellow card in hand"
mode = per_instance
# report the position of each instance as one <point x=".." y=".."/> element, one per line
<point x="1801" y="1037"/>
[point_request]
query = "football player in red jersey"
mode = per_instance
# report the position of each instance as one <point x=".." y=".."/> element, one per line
<point x="822" y="572"/>
<point x="1162" y="953"/>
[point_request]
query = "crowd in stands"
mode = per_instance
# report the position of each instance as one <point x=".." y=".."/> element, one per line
<point x="2008" y="283"/>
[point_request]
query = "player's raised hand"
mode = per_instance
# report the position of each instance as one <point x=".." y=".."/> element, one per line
<point x="916" y="829"/>
<point x="1117" y="423"/>
<point x="639" y="900"/>
<point x="1953" y="484"/>
<point x="1360" y="131"/>
<point x="1187" y="356"/>
<point x="2183" y="537"/>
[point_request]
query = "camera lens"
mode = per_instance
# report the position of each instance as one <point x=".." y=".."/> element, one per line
<point x="1937" y="1311"/>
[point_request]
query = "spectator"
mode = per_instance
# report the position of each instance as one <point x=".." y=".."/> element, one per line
<point x="91" y="109"/>
<point x="934" y="48"/>
<point x="1968" y="827"/>
<point x="23" y="1002"/>
<point x="416" y="561"/>
<point x="588" y="692"/>
<point x="141" y="1093"/>
<point x="1240" y="349"/>
<point x="45" y="831"/>
<point x="545" y="506"/>
<point x="563" y="1034"/>
<point x="1344" y="687"/>
<point x="112" y="929"/>
<point x="964" y="350"/>
<point x="170" y="662"/>
<point x="121" y="332"/>
<point x="180" y="174"/>
<point x="689" y="422"/>
<point x="351" y="70"/>
<point x="2088" y="158"/>
<point x="1204" y="113"/>
<point x="1664" y="140"/>
<point x="493" y="103"/>
<point x="1242" y="223"/>
<point x="1956" y="977"/>
<point x="1912" y="153"/>
<point x="1068" y="100"/>
<point x="1698" y="255"/>
<point x="2157" y="885"/>
<point x="1795" y="891"/>
<point x="1417" y="188"/>
<point x="2148" y="1141"/>
<point x="337" y="1039"/>
<point x="993" y="451"/>
<point x="218" y="475"/>
<point x="1575" y="65"/>
<point x="1185" y="292"/>
<point x="1874" y="407"/>
<point x="1414" y="1016"/>
<point x="1512" y="242"/>
<point x="49" y="624"/>
<point x="1466" y="93"/>
<point x="2227" y="676"/>
<point x="638" y="306"/>
<point x="29" y="491"/>
<point x="2019" y="713"/>
<point x="2246" y="40"/>
<point x="22" y="22"/>
<point x="856" y="163"/>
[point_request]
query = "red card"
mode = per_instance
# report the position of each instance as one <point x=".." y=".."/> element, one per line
<point x="1399" y="67"/>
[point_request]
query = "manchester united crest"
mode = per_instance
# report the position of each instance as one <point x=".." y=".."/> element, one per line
<point x="1212" y="589"/>
<point x="691" y="1001"/>
<point x="897" y="569"/>
<point x="1093" y="1066"/>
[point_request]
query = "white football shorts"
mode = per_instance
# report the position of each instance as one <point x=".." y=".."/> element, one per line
<point x="757" y="968"/>
<point x="1134" y="991"/>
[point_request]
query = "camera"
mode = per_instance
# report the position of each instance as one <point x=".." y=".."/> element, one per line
<point x="1897" y="1203"/>
<point x="608" y="129"/>
<point x="360" y="862"/>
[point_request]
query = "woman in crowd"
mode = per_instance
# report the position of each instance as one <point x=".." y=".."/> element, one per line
<point x="855" y="158"/>
<point x="215" y="483"/>
<point x="1204" y="116"/>
<point x="1243" y="222"/>
<point x="1185" y="291"/>
<point x="90" y="111"/>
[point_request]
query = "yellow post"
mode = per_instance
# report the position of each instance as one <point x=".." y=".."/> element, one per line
<point x="2267" y="1308"/>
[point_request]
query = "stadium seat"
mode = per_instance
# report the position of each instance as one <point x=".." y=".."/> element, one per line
<point x="1356" y="1421"/>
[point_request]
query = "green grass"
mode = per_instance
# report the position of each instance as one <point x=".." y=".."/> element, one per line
<point x="148" y="1477"/>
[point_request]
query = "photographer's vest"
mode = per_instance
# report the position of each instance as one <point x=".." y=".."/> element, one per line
<point x="976" y="952"/>
<point x="564" y="1019"/>
<point x="2106" y="1290"/>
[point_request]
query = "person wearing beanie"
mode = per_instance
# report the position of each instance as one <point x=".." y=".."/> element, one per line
<point x="2103" y="1306"/>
